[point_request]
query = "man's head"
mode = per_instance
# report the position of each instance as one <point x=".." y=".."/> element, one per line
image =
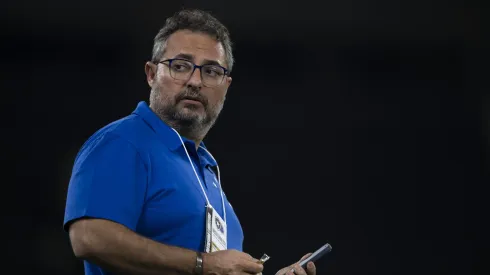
<point x="190" y="98"/>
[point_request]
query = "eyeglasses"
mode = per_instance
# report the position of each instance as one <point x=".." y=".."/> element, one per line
<point x="180" y="69"/>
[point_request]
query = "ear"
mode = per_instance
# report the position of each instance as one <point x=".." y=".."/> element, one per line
<point x="150" y="70"/>
<point x="228" y="81"/>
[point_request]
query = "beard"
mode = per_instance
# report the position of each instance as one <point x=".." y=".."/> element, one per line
<point x="188" y="119"/>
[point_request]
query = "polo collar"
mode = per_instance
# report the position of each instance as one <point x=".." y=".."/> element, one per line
<point x="165" y="132"/>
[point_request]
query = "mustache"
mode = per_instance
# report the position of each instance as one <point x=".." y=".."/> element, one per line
<point x="193" y="95"/>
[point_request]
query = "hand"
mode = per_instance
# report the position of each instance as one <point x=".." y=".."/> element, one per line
<point x="230" y="262"/>
<point x="298" y="270"/>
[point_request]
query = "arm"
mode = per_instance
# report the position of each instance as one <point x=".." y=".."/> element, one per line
<point x="114" y="247"/>
<point x="105" y="199"/>
<point x="106" y="195"/>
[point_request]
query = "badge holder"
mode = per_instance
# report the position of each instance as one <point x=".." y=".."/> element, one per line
<point x="216" y="231"/>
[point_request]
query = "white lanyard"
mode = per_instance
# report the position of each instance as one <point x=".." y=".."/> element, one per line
<point x="199" y="180"/>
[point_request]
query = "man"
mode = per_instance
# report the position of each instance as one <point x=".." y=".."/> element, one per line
<point x="145" y="195"/>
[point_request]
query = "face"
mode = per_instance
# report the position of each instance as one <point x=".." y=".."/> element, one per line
<point x="188" y="104"/>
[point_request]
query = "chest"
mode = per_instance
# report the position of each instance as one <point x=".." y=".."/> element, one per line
<point x="176" y="199"/>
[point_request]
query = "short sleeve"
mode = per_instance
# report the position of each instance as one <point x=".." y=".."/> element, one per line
<point x="108" y="181"/>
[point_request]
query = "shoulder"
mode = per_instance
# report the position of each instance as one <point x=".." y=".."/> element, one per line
<point x="124" y="135"/>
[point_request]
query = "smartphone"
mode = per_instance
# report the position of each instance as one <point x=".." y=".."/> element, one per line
<point x="316" y="255"/>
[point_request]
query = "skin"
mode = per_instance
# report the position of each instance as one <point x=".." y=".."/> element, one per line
<point x="192" y="119"/>
<point x="118" y="249"/>
<point x="115" y="247"/>
<point x="298" y="270"/>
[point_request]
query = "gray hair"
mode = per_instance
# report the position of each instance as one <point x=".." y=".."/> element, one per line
<point x="195" y="21"/>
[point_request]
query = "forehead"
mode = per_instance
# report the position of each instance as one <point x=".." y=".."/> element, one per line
<point x="199" y="45"/>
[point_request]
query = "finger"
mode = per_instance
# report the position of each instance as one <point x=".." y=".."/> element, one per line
<point x="252" y="267"/>
<point x="305" y="256"/>
<point x="249" y="257"/>
<point x="311" y="268"/>
<point x="283" y="271"/>
<point x="298" y="270"/>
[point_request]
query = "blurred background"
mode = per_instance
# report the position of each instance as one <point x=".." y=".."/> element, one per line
<point x="365" y="124"/>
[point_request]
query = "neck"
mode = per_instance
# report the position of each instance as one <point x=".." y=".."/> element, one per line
<point x="190" y="136"/>
<point x="189" y="133"/>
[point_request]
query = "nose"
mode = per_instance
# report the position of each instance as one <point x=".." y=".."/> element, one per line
<point x="195" y="79"/>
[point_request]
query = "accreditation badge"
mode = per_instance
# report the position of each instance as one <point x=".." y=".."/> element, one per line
<point x="215" y="231"/>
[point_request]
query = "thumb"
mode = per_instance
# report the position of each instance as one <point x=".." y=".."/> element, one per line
<point x="305" y="256"/>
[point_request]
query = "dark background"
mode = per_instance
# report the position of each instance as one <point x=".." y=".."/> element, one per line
<point x="358" y="123"/>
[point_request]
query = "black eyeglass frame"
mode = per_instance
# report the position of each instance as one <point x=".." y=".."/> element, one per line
<point x="170" y="60"/>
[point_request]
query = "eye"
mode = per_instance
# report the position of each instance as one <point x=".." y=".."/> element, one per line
<point x="214" y="71"/>
<point x="181" y="66"/>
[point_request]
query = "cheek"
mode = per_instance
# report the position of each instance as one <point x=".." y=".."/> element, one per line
<point x="218" y="96"/>
<point x="167" y="85"/>
<point x="166" y="80"/>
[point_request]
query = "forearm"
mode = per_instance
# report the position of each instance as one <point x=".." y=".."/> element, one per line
<point x="114" y="247"/>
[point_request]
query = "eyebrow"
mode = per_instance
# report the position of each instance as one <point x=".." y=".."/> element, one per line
<point x="190" y="57"/>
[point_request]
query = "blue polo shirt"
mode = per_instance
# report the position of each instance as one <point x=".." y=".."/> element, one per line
<point x="136" y="172"/>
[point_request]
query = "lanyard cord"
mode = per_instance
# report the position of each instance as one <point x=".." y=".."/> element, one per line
<point x="199" y="180"/>
<point x="219" y="183"/>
